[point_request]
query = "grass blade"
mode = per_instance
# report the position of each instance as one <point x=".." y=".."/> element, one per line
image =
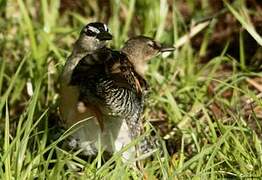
<point x="248" y="26"/>
<point x="8" y="174"/>
<point x="11" y="85"/>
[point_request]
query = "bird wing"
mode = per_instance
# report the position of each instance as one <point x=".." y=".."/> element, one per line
<point x="84" y="77"/>
<point x="126" y="74"/>
<point x="104" y="81"/>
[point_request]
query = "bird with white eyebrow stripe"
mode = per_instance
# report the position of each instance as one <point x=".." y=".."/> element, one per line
<point x="93" y="38"/>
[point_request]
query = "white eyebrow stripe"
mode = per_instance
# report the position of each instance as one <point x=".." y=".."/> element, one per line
<point x="93" y="29"/>
<point x="105" y="26"/>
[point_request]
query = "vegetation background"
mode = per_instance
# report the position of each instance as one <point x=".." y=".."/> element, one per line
<point x="208" y="93"/>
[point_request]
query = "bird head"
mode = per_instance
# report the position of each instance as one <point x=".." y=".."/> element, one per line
<point x="141" y="49"/>
<point x="92" y="37"/>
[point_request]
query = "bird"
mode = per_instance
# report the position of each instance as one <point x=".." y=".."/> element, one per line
<point x="92" y="39"/>
<point x="115" y="89"/>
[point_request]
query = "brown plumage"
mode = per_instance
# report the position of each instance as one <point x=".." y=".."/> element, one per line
<point x="112" y="84"/>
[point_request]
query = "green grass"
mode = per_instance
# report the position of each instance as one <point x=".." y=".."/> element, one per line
<point x="218" y="135"/>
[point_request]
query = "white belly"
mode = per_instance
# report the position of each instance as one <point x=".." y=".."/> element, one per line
<point x="89" y="138"/>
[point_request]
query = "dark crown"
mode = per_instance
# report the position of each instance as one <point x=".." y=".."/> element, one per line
<point x="94" y="28"/>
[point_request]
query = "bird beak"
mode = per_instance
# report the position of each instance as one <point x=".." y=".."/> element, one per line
<point x="166" y="48"/>
<point x="103" y="36"/>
